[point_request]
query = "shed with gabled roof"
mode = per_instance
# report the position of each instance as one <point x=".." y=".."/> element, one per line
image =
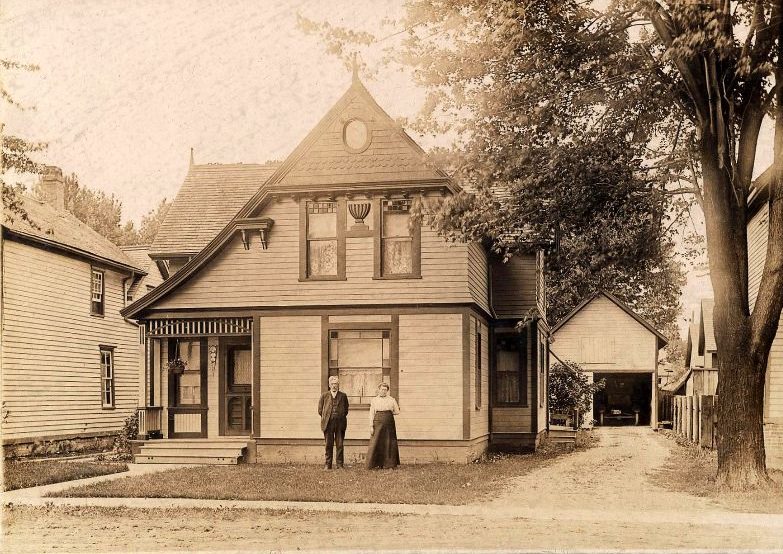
<point x="615" y="344"/>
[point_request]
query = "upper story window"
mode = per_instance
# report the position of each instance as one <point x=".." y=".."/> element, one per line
<point x="98" y="290"/>
<point x="323" y="241"/>
<point x="398" y="248"/>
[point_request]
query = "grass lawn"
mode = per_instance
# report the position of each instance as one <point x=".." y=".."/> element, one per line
<point x="20" y="474"/>
<point x="692" y="470"/>
<point x="410" y="484"/>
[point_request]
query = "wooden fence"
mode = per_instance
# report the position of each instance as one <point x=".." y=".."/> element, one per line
<point x="695" y="417"/>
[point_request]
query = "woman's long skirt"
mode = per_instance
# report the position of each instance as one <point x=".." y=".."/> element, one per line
<point x="383" y="451"/>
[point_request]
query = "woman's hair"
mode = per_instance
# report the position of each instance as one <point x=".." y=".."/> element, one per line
<point x="384" y="385"/>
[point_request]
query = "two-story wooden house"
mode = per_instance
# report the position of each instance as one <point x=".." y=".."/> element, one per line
<point x="70" y="361"/>
<point x="321" y="270"/>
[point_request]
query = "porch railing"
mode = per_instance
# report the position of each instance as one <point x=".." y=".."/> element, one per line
<point x="150" y="421"/>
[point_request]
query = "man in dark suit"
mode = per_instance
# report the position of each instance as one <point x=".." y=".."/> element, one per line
<point x="333" y="409"/>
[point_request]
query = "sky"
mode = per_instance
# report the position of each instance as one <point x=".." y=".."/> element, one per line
<point x="125" y="89"/>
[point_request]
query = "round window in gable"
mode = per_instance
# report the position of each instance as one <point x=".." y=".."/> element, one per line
<point x="356" y="135"/>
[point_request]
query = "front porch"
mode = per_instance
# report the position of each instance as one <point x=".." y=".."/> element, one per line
<point x="198" y="381"/>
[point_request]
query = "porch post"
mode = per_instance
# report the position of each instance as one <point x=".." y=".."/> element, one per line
<point x="163" y="389"/>
<point x="256" y="392"/>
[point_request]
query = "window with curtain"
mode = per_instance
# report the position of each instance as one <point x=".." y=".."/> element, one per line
<point x="396" y="238"/>
<point x="362" y="360"/>
<point x="321" y="239"/>
<point x="510" y="371"/>
<point x="478" y="365"/>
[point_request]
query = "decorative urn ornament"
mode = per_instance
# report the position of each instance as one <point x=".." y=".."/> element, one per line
<point x="359" y="211"/>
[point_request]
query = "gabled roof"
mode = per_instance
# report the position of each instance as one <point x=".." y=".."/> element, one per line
<point x="396" y="162"/>
<point x="61" y="230"/>
<point x="211" y="195"/>
<point x="673" y="386"/>
<point x="692" y="357"/>
<point x="707" y="327"/>
<point x="140" y="255"/>
<point x="620" y="304"/>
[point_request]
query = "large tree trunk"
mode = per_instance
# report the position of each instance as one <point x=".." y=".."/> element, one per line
<point x="742" y="357"/>
<point x="741" y="455"/>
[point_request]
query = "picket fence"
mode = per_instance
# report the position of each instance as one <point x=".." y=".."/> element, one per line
<point x="695" y="418"/>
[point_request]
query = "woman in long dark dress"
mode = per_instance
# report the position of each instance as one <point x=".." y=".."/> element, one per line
<point x="383" y="451"/>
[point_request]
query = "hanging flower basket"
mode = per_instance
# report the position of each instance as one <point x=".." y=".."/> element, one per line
<point x="177" y="367"/>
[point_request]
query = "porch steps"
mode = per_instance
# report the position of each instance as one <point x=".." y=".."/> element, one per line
<point x="193" y="451"/>
<point x="562" y="435"/>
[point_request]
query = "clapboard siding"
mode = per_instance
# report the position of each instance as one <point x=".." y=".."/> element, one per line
<point x="431" y="373"/>
<point x="291" y="377"/>
<point x="50" y="347"/>
<point x="512" y="420"/>
<point x="479" y="418"/>
<point x="774" y="384"/>
<point x="757" y="251"/>
<point x="514" y="286"/>
<point x="478" y="279"/>
<point x="621" y="342"/>
<point x="758" y="229"/>
<point x="239" y="277"/>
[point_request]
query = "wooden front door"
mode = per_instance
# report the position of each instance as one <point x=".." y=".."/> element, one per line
<point x="187" y="390"/>
<point x="236" y="404"/>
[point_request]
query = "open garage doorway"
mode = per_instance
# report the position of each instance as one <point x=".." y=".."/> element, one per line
<point x="626" y="399"/>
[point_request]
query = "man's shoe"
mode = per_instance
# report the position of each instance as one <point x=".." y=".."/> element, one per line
<point x="327" y="466"/>
<point x="340" y="466"/>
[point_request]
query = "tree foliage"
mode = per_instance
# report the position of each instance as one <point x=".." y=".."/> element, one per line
<point x="15" y="154"/>
<point x="569" y="390"/>
<point x="103" y="213"/>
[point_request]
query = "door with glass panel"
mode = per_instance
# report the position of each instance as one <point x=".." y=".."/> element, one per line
<point x="187" y="388"/>
<point x="236" y="405"/>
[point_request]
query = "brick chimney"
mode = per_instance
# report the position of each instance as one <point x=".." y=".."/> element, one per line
<point x="53" y="187"/>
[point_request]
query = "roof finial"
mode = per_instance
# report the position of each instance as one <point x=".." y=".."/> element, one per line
<point x="191" y="156"/>
<point x="355" y="67"/>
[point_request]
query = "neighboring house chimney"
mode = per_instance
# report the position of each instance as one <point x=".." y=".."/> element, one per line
<point x="53" y="187"/>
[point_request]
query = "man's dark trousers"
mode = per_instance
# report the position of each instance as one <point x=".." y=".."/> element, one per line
<point x="334" y="434"/>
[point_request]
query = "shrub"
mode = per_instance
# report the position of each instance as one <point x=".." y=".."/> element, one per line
<point x="130" y="432"/>
<point x="570" y="390"/>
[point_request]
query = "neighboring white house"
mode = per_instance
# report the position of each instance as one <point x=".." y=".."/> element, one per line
<point x="613" y="343"/>
<point x="70" y="361"/>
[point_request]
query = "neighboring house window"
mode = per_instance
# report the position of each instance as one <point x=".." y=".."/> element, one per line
<point x="714" y="359"/>
<point x="398" y="242"/>
<point x="478" y="365"/>
<point x="362" y="360"/>
<point x="107" y="376"/>
<point x="97" y="289"/>
<point x="323" y="240"/>
<point x="510" y="371"/>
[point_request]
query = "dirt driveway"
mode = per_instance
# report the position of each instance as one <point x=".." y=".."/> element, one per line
<point x="598" y="499"/>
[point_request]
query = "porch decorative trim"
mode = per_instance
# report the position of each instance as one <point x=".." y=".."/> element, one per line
<point x="224" y="326"/>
